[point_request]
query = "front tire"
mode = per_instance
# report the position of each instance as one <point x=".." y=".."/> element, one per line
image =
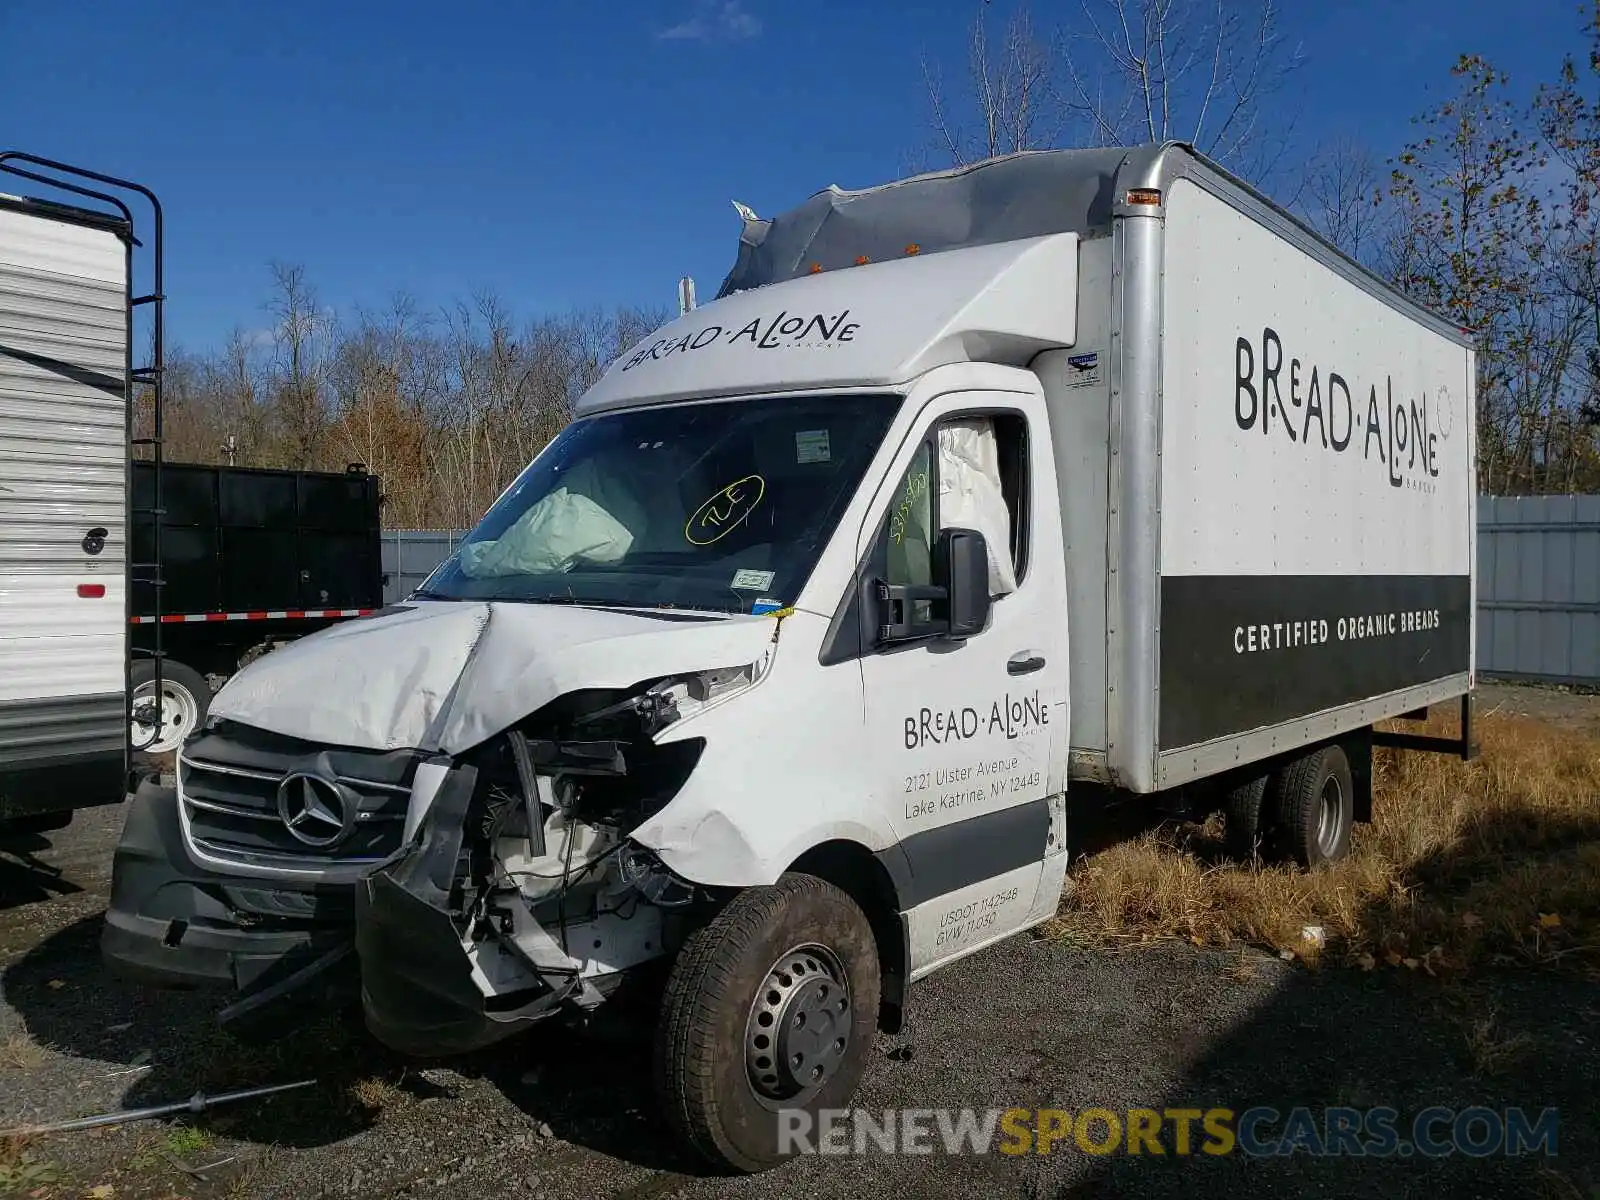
<point x="770" y="1012"/>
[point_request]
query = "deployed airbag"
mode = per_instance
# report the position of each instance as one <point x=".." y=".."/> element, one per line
<point x="970" y="495"/>
<point x="559" y="531"/>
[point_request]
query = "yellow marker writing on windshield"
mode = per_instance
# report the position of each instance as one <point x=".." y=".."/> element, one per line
<point x="719" y="515"/>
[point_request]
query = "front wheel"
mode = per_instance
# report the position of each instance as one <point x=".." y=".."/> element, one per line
<point x="769" y="1014"/>
<point x="161" y="726"/>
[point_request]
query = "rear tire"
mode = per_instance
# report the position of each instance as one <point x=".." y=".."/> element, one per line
<point x="186" y="699"/>
<point x="1244" y="820"/>
<point x="1314" y="808"/>
<point x="772" y="1006"/>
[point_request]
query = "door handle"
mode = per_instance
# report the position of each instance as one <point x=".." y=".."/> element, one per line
<point x="1024" y="663"/>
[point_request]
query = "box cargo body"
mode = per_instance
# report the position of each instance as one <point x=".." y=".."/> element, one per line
<point x="63" y="506"/>
<point x="1268" y="491"/>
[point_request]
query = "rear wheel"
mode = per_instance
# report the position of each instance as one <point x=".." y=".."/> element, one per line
<point x="769" y="1015"/>
<point x="1314" y="803"/>
<point x="159" y="725"/>
<point x="1244" y="819"/>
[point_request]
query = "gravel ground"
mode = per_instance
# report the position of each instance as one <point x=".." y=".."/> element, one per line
<point x="1031" y="1023"/>
<point x="1566" y="708"/>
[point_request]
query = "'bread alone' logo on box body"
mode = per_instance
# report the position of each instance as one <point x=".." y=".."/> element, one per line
<point x="1322" y="409"/>
<point x="786" y="331"/>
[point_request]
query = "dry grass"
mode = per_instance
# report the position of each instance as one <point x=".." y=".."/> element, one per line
<point x="19" y="1052"/>
<point x="1464" y="865"/>
<point x="1493" y="1051"/>
<point x="372" y="1094"/>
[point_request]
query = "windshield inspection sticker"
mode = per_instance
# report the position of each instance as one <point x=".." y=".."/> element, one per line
<point x="765" y="606"/>
<point x="811" y="446"/>
<point x="745" y="580"/>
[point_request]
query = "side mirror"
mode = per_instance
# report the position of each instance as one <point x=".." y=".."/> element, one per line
<point x="961" y="568"/>
<point x="955" y="604"/>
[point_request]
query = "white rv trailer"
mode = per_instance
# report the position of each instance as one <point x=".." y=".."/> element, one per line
<point x="66" y="378"/>
<point x="777" y="674"/>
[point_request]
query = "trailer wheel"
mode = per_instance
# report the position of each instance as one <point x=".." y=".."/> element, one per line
<point x="1245" y="825"/>
<point x="1314" y="808"/>
<point x="769" y="1014"/>
<point x="185" y="699"/>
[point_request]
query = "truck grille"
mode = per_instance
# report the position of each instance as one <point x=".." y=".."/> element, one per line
<point x="350" y="815"/>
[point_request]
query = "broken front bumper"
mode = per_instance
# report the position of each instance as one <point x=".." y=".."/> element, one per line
<point x="442" y="974"/>
<point x="283" y="948"/>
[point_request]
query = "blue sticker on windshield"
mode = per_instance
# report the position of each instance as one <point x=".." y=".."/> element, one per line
<point x="765" y="606"/>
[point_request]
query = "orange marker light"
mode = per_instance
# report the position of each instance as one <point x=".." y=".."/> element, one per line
<point x="816" y="269"/>
<point x="913" y="248"/>
<point x="862" y="260"/>
<point x="1144" y="196"/>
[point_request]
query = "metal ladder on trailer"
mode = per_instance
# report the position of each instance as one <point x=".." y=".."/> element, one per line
<point x="150" y="378"/>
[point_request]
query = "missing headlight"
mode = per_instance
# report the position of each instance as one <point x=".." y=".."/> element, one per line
<point x="642" y="870"/>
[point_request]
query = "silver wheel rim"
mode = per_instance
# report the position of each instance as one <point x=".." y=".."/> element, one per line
<point x="179" y="714"/>
<point x="1330" y="810"/>
<point x="798" y="1030"/>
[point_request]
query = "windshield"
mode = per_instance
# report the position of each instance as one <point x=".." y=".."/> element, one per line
<point x="722" y="506"/>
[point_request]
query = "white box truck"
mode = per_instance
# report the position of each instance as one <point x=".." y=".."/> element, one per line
<point x="772" y="680"/>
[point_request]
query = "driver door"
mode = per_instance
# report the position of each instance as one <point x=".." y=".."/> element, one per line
<point x="969" y="735"/>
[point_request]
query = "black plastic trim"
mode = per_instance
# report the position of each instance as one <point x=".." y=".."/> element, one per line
<point x="949" y="857"/>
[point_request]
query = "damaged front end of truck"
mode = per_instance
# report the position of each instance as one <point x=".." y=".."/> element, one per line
<point x="518" y="896"/>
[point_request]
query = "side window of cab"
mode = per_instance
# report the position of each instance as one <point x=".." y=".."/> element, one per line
<point x="970" y="471"/>
<point x="908" y="532"/>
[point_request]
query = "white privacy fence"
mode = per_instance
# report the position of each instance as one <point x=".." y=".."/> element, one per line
<point x="1538" y="583"/>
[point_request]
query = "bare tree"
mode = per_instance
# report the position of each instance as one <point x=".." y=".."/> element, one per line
<point x="1343" y="197"/>
<point x="1195" y="70"/>
<point x="445" y="408"/>
<point x="1013" y="104"/>
<point x="235" y="378"/>
<point x="301" y="334"/>
<point x="1123" y="72"/>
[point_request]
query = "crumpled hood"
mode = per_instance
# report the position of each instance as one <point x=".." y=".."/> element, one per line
<point x="447" y="675"/>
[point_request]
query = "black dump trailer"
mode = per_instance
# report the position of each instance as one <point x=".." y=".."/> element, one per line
<point x="250" y="558"/>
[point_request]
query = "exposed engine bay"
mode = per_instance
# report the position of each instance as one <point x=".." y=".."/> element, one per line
<point x="520" y="895"/>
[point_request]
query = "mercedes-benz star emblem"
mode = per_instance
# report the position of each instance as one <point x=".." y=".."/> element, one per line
<point x="315" y="810"/>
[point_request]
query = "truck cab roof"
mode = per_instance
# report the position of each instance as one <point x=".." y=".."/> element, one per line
<point x="875" y="326"/>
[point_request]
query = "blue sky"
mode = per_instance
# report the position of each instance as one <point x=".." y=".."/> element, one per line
<point x="564" y="153"/>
